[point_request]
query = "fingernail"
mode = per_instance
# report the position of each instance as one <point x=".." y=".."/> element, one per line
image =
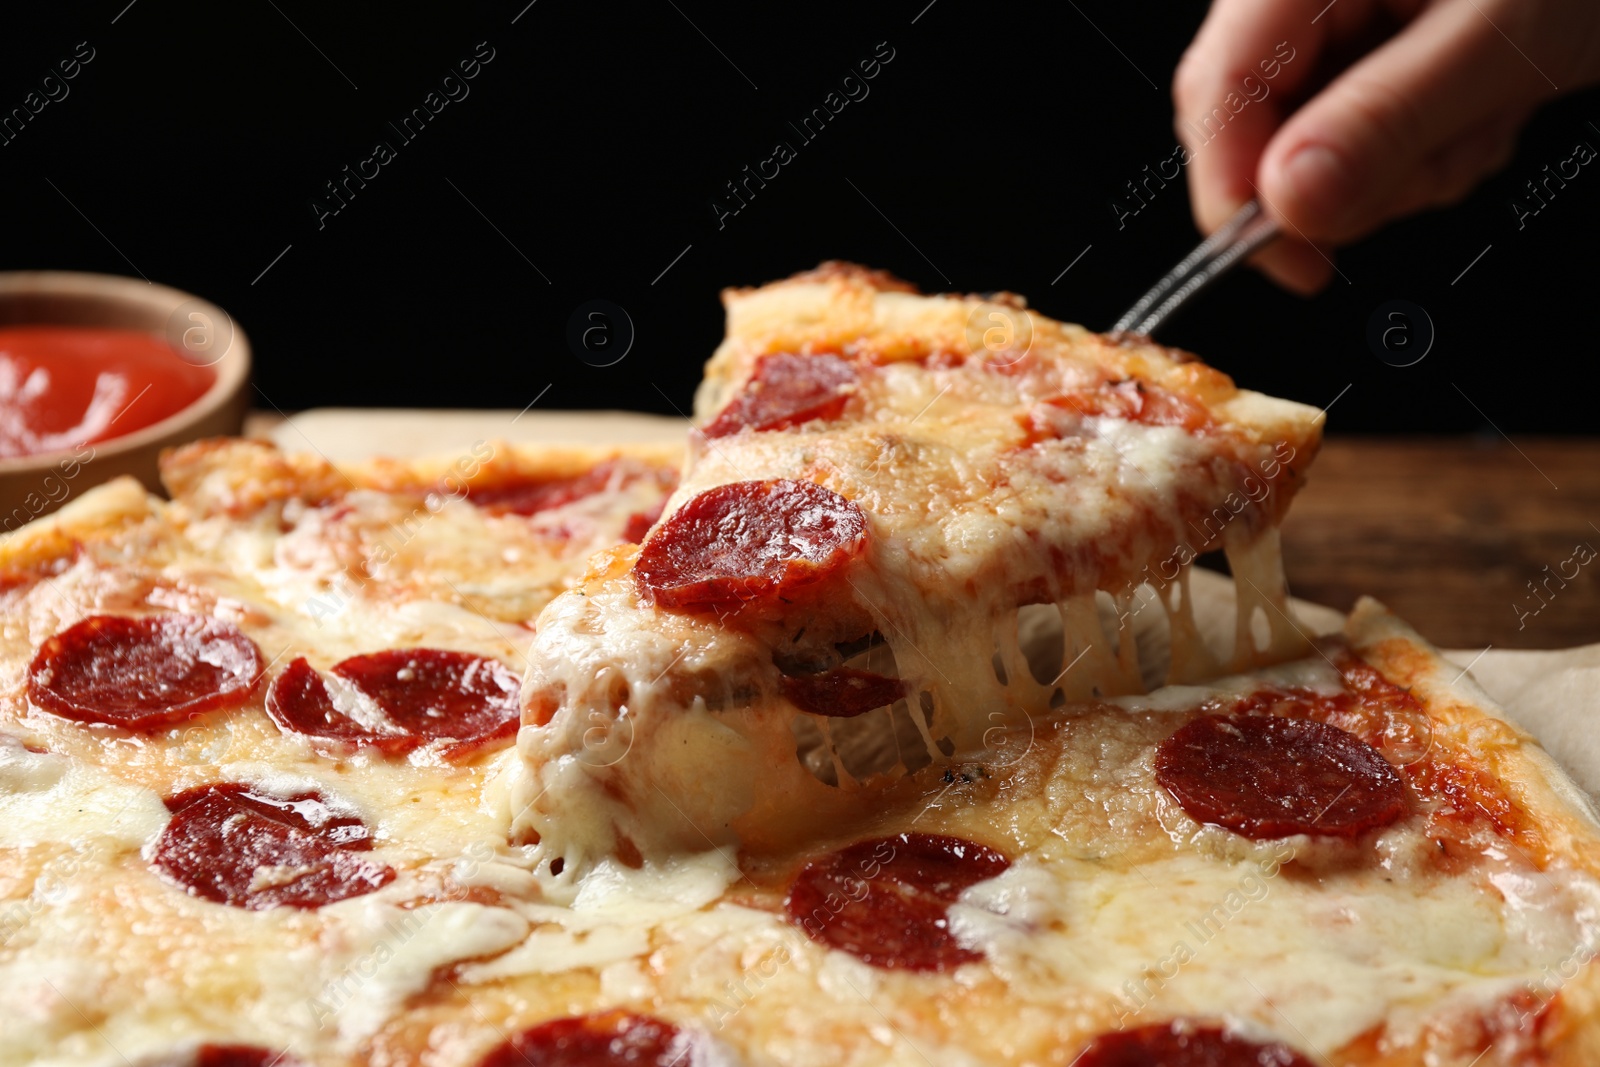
<point x="1321" y="182"/>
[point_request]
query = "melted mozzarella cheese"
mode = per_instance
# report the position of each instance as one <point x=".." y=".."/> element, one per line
<point x="46" y="799"/>
<point x="395" y="952"/>
<point x="346" y="556"/>
<point x="322" y="982"/>
<point x="971" y="520"/>
<point x="1063" y="932"/>
<point x="1319" y="961"/>
<point x="87" y="983"/>
<point x="613" y="916"/>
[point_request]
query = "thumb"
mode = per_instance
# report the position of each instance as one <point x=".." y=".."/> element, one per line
<point x="1355" y="155"/>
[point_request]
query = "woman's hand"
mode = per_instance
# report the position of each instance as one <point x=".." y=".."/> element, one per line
<point x="1413" y="123"/>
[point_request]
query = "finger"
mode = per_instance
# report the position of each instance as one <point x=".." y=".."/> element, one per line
<point x="1248" y="57"/>
<point x="1352" y="156"/>
<point x="1446" y="177"/>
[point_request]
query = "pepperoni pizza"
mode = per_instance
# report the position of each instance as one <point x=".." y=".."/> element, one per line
<point x="881" y="731"/>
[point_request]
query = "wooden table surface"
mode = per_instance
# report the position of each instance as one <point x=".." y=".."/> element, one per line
<point x="1475" y="541"/>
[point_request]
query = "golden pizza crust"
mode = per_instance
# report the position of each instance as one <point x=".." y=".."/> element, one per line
<point x="237" y="475"/>
<point x="98" y="513"/>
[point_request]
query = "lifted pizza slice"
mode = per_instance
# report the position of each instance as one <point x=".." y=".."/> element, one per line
<point x="882" y="491"/>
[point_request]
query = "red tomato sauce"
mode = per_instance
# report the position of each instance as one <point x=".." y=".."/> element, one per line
<point x="65" y="386"/>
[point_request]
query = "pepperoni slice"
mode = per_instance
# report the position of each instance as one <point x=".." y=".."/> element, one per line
<point x="1130" y="400"/>
<point x="1183" y="1044"/>
<point x="843" y="692"/>
<point x="1136" y="401"/>
<point x="786" y="391"/>
<point x="606" y="1039"/>
<point x="886" y="901"/>
<point x="748" y="541"/>
<point x="418" y="695"/>
<point x="242" y="1056"/>
<point x="1265" y="776"/>
<point x="530" y="496"/>
<point x="236" y="845"/>
<point x="299" y="702"/>
<point x="144" y="673"/>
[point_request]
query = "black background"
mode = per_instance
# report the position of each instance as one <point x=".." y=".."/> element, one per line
<point x="985" y="156"/>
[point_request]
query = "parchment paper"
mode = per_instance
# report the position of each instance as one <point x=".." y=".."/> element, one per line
<point x="1554" y="695"/>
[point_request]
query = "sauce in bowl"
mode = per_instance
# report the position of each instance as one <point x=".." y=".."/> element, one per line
<point x="65" y="386"/>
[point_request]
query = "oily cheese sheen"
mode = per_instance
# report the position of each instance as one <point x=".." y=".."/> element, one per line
<point x="705" y="846"/>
